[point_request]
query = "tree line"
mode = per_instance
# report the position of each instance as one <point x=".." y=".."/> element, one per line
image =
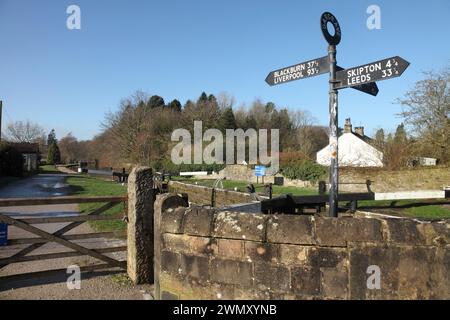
<point x="139" y="132"/>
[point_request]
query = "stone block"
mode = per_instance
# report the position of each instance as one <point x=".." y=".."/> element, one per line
<point x="305" y="281"/>
<point x="195" y="267"/>
<point x="188" y="244"/>
<point x="290" y="229"/>
<point x="337" y="232"/>
<point x="140" y="241"/>
<point x="261" y="252"/>
<point x="171" y="220"/>
<point x="335" y="282"/>
<point x="170" y="262"/>
<point x="198" y="222"/>
<point x="294" y="254"/>
<point x="234" y="225"/>
<point x="272" y="277"/>
<point x="327" y="257"/>
<point x="232" y="249"/>
<point x="435" y="234"/>
<point x="231" y="272"/>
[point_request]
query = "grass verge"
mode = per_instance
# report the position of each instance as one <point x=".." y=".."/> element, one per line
<point x="88" y="186"/>
<point x="241" y="186"/>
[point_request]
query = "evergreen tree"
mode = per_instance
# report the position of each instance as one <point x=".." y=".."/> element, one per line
<point x="400" y="134"/>
<point x="227" y="120"/>
<point x="175" y="105"/>
<point x="270" y="107"/>
<point x="155" y="102"/>
<point x="54" y="155"/>
<point x="379" y="138"/>
<point x="51" y="138"/>
<point x="203" y="98"/>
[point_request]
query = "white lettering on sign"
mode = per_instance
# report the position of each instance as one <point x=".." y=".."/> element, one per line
<point x="371" y="72"/>
<point x="296" y="72"/>
<point x="362" y="74"/>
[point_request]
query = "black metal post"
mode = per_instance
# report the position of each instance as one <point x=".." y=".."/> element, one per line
<point x="334" y="165"/>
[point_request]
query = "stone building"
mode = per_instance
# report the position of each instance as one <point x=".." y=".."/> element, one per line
<point x="30" y="153"/>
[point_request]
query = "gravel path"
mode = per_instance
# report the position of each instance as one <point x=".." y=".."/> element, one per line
<point x="98" y="285"/>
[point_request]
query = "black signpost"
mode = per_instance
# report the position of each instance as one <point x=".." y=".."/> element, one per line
<point x="299" y="71"/>
<point x="375" y="71"/>
<point x="361" y="78"/>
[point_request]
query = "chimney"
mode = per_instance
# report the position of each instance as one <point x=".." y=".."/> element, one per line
<point x="359" y="131"/>
<point x="348" y="126"/>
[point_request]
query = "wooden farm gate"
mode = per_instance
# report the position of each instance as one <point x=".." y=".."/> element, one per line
<point x="60" y="236"/>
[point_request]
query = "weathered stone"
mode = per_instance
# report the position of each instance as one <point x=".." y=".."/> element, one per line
<point x="188" y="244"/>
<point x="404" y="231"/>
<point x="196" y="194"/>
<point x="261" y="251"/>
<point x="294" y="254"/>
<point x="198" y="222"/>
<point x="290" y="229"/>
<point x="195" y="267"/>
<point x="201" y="195"/>
<point x="272" y="277"/>
<point x="231" y="272"/>
<point x="387" y="259"/>
<point x="162" y="203"/>
<point x="435" y="234"/>
<point x="234" y="225"/>
<point x="337" y="232"/>
<point x="140" y="242"/>
<point x="327" y="257"/>
<point x="170" y="262"/>
<point x="423" y="274"/>
<point x="335" y="283"/>
<point x="171" y="220"/>
<point x="233" y="249"/>
<point x="305" y="281"/>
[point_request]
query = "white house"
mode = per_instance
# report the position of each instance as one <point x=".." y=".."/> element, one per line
<point x="355" y="150"/>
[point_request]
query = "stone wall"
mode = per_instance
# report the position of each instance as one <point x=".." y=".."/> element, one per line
<point x="390" y="181"/>
<point x="204" y="254"/>
<point x="203" y="195"/>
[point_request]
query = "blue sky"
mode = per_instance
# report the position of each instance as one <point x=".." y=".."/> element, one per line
<point x="68" y="79"/>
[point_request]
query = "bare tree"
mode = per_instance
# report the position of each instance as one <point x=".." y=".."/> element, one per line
<point x="21" y="131"/>
<point x="426" y="111"/>
<point x="225" y="100"/>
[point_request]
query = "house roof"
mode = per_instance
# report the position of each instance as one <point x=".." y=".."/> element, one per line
<point x="365" y="138"/>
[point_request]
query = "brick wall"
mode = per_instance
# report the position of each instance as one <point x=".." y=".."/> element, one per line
<point x="203" y="254"/>
<point x="203" y="195"/>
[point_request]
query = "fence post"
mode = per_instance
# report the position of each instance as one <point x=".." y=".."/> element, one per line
<point x="141" y="198"/>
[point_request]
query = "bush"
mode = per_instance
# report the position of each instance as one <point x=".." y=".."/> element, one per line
<point x="54" y="156"/>
<point x="11" y="161"/>
<point x="304" y="170"/>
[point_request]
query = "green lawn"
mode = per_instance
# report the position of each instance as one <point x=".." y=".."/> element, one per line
<point x="87" y="186"/>
<point x="241" y="186"/>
